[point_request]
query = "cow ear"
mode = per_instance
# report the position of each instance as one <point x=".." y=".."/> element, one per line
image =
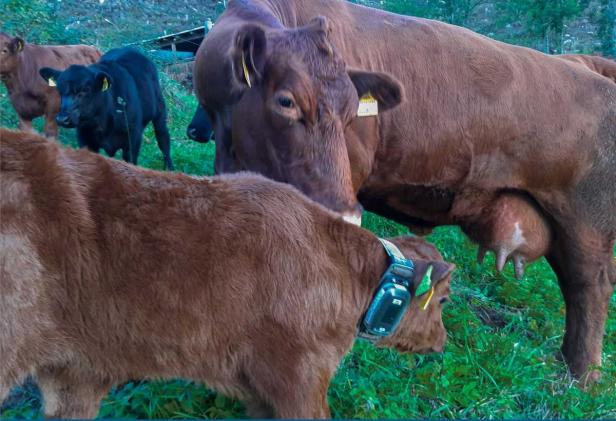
<point x="440" y="271"/>
<point x="322" y="29"/>
<point x="248" y="55"/>
<point x="383" y="87"/>
<point x="50" y="75"/>
<point x="17" y="45"/>
<point x="437" y="271"/>
<point x="102" y="82"/>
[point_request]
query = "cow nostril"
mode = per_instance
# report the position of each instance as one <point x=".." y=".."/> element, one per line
<point x="192" y="133"/>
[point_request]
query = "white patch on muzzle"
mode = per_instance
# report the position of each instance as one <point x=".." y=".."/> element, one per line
<point x="352" y="219"/>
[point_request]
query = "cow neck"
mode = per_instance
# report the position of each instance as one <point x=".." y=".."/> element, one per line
<point x="12" y="79"/>
<point x="366" y="259"/>
<point x="26" y="70"/>
<point x="266" y="12"/>
<point x="9" y="81"/>
<point x="110" y="104"/>
<point x="373" y="263"/>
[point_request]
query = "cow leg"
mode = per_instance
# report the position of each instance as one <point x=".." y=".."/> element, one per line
<point x="292" y="392"/>
<point x="68" y="394"/>
<point x="25" y="125"/>
<point x="51" y="127"/>
<point x="130" y="152"/>
<point x="163" y="139"/>
<point x="258" y="408"/>
<point x="88" y="139"/>
<point x="4" y="391"/>
<point x="307" y="400"/>
<point x="583" y="261"/>
<point x="126" y="154"/>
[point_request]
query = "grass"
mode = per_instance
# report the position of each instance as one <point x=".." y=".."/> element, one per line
<point x="499" y="361"/>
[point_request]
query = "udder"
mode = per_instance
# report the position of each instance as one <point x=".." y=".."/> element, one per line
<point x="513" y="228"/>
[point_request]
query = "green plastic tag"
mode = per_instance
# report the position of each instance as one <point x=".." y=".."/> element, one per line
<point x="425" y="284"/>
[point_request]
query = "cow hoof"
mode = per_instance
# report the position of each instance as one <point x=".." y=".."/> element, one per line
<point x="587" y="379"/>
<point x="591" y="377"/>
<point x="559" y="356"/>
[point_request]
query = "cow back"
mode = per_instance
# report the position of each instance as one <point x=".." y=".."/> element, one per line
<point x="135" y="79"/>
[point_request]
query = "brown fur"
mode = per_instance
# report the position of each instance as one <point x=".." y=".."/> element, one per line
<point x="30" y="94"/>
<point x="603" y="66"/>
<point x="110" y="272"/>
<point x="480" y="118"/>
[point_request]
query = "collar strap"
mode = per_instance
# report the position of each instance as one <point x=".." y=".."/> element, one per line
<point x="398" y="258"/>
<point x="402" y="268"/>
<point x="394" y="252"/>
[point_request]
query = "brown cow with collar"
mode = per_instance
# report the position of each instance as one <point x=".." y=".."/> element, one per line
<point x="109" y="272"/>
<point x="481" y="119"/>
<point x="30" y="94"/>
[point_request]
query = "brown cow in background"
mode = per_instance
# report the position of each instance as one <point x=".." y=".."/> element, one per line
<point x="109" y="272"/>
<point x="30" y="94"/>
<point x="603" y="66"/>
<point x="482" y="120"/>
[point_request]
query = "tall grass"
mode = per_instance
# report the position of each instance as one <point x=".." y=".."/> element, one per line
<point x="499" y="362"/>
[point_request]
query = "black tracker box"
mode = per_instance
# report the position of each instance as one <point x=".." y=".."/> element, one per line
<point x="390" y="301"/>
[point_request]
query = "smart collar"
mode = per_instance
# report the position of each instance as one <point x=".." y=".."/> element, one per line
<point x="393" y="295"/>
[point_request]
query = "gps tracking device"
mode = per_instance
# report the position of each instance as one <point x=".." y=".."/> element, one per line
<point x="392" y="297"/>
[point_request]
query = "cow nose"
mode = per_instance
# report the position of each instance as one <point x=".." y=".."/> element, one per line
<point x="353" y="216"/>
<point x="63" y="120"/>
<point x="438" y="348"/>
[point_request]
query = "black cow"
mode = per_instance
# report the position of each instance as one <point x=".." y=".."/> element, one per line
<point x="200" y="128"/>
<point x="110" y="102"/>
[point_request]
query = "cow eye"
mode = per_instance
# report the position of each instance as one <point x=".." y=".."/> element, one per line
<point x="285" y="102"/>
<point x="444" y="300"/>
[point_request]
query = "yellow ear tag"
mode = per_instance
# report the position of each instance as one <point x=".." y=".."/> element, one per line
<point x="368" y="106"/>
<point x="20" y="46"/>
<point x="51" y="81"/>
<point x="105" y="85"/>
<point x="246" y="74"/>
<point x="425" y="302"/>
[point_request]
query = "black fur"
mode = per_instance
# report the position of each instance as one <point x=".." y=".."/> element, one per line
<point x="111" y="102"/>
<point x="200" y="128"/>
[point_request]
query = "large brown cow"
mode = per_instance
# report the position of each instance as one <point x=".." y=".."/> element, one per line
<point x="109" y="272"/>
<point x="30" y="94"/>
<point x="481" y="120"/>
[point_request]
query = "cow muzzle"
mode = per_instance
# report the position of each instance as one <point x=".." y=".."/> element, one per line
<point x="64" y="121"/>
<point x="192" y="133"/>
<point x="352" y="218"/>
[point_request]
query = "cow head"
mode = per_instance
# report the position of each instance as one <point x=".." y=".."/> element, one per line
<point x="297" y="97"/>
<point x="200" y="127"/>
<point x="10" y="48"/>
<point x="81" y="91"/>
<point x="421" y="329"/>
